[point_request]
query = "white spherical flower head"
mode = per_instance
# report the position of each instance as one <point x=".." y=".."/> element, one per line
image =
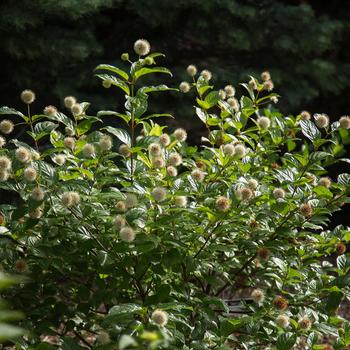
<point x="184" y="87"/>
<point x="191" y="70"/>
<point x="230" y="91"/>
<point x="229" y="149"/>
<point x="264" y="122"/>
<point x="180" y="134"/>
<point x="283" y="321"/>
<point x="265" y="76"/>
<point x="27" y="96"/>
<point x="258" y="296"/>
<point x="5" y="163"/>
<point x="59" y="159"/>
<point x="321" y="120"/>
<point x="36" y="213"/>
<point x="164" y="140"/>
<point x="30" y="174"/>
<point x="159" y="194"/>
<point x="222" y="94"/>
<point x="38" y="194"/>
<point x="158" y="162"/>
<point x="198" y="175"/>
<point x="130" y="200"/>
<point x="233" y="103"/>
<point x="223" y="204"/>
<point x="75" y="198"/>
<point x="253" y="184"/>
<point x="69" y="101"/>
<point x="22" y="154"/>
<point x="305" y="115"/>
<point x="181" y="201"/>
<point x="67" y="199"/>
<point x="325" y="181"/>
<point x="88" y="150"/>
<point x="279" y="193"/>
<point x="106" y="143"/>
<point x="6" y="126"/>
<point x="120" y="206"/>
<point x="175" y="159"/>
<point x="124" y="150"/>
<point x="344" y="122"/>
<point x="240" y="151"/>
<point x="252" y="83"/>
<point x="160" y="317"/>
<point x="142" y="47"/>
<point x="2" y="142"/>
<point x="246" y="194"/>
<point x="4" y="175"/>
<point x="172" y="171"/>
<point x="274" y="99"/>
<point x="119" y="221"/>
<point x="268" y="85"/>
<point x="206" y="74"/>
<point x="155" y="149"/>
<point x="69" y="142"/>
<point x="50" y="110"/>
<point x="77" y="109"/>
<point x="127" y="234"/>
<point x="305" y="323"/>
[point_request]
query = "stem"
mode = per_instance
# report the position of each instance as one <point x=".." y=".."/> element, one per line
<point x="132" y="135"/>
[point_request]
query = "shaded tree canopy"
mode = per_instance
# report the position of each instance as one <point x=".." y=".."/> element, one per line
<point x="53" y="46"/>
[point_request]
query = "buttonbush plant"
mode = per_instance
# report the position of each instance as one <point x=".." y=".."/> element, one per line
<point x="132" y="238"/>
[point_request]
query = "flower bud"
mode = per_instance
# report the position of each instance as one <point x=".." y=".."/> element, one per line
<point x="279" y="193"/>
<point x="69" y="142"/>
<point x="124" y="56"/>
<point x="253" y="184"/>
<point x="240" y="150"/>
<point x="306" y="210"/>
<point x="120" y="206"/>
<point x="2" y="142"/>
<point x="264" y="122"/>
<point x="119" y="221"/>
<point x="340" y="248"/>
<point x="229" y="149"/>
<point x="158" y="162"/>
<point x="124" y="150"/>
<point x="59" y="159"/>
<point x="172" y="171"/>
<point x="77" y="109"/>
<point x="305" y="115"/>
<point x="154" y="149"/>
<point x="175" y="159"/>
<point x="233" y="102"/>
<point x="106" y="143"/>
<point x="325" y="181"/>
<point x="280" y="303"/>
<point x="283" y="321"/>
<point x="268" y="85"/>
<point x="206" y="74"/>
<point x="304" y="323"/>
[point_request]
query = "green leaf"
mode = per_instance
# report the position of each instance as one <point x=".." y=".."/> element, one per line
<point x="115" y="81"/>
<point x="157" y="115"/>
<point x="344" y="179"/>
<point x="121" y="134"/>
<point x="113" y="69"/>
<point x="285" y="341"/>
<point x="9" y="332"/>
<point x="341" y="262"/>
<point x="310" y="130"/>
<point x="10" y="111"/>
<point x="212" y="98"/>
<point x="145" y="70"/>
<point x="147" y="89"/>
<point x="84" y="126"/>
<point x="125" y="117"/>
<point x="333" y="301"/>
<point x="126" y="341"/>
<point x="203" y="116"/>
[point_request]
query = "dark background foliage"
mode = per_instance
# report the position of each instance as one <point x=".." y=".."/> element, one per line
<point x="53" y="46"/>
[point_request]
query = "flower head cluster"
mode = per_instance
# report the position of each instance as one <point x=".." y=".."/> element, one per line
<point x="258" y="296"/>
<point x="27" y="96"/>
<point x="142" y="47"/>
<point x="160" y="317"/>
<point x="321" y="120"/>
<point x="6" y="126"/>
<point x="70" y="199"/>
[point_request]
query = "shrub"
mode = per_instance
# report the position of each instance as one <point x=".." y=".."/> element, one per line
<point x="229" y="249"/>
